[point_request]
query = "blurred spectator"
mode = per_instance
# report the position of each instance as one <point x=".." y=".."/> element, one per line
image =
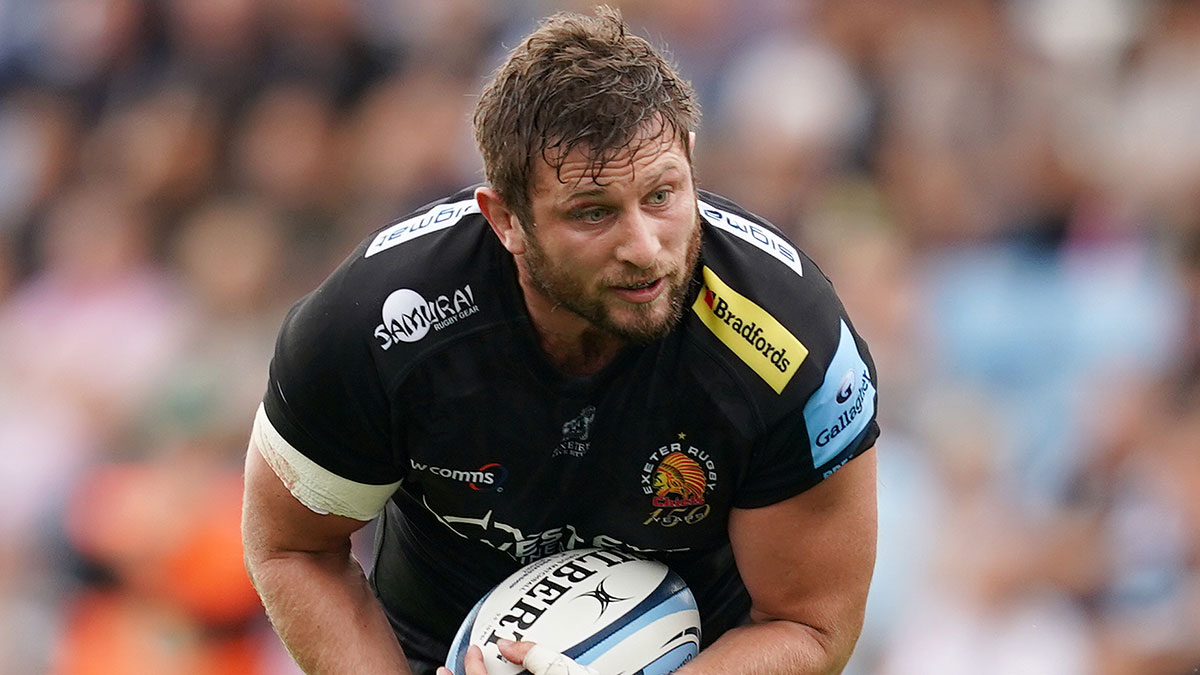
<point x="161" y="148"/>
<point x="1134" y="575"/>
<point x="986" y="608"/>
<point x="409" y="140"/>
<point x="231" y="256"/>
<point x="80" y="344"/>
<point x="320" y="41"/>
<point x="99" y="321"/>
<point x="94" y="48"/>
<point x="166" y="591"/>
<point x="455" y="37"/>
<point x="217" y="45"/>
<point x="39" y="138"/>
<point x="790" y="114"/>
<point x="284" y="148"/>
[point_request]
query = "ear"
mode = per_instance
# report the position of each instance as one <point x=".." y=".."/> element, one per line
<point x="691" y="142"/>
<point x="504" y="222"/>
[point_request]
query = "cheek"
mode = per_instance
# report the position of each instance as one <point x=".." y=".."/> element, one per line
<point x="573" y="258"/>
<point x="682" y="229"/>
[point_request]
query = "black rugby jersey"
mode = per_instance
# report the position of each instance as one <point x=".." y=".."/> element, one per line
<point x="415" y="363"/>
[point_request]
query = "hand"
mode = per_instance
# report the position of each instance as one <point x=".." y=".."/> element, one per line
<point x="536" y="659"/>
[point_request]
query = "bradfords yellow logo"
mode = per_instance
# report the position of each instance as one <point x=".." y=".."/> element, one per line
<point x="747" y="329"/>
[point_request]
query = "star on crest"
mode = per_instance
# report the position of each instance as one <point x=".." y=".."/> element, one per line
<point x="682" y="435"/>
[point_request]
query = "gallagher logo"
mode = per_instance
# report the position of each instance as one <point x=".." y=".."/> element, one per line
<point x="846" y="388"/>
<point x="678" y="478"/>
<point x="757" y="338"/>
<point x="846" y="416"/>
<point x="486" y="478"/>
<point x="408" y="316"/>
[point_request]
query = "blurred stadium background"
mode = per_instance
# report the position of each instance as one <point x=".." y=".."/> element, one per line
<point x="1005" y="192"/>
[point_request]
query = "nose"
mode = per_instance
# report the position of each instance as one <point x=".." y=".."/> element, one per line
<point x="640" y="245"/>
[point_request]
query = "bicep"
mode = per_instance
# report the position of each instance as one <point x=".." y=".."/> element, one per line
<point x="809" y="558"/>
<point x="275" y="522"/>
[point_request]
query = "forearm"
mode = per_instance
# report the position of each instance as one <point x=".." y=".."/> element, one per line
<point x="326" y="615"/>
<point x="769" y="648"/>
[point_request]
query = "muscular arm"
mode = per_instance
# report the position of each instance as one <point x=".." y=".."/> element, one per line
<point x="807" y="563"/>
<point x="313" y="589"/>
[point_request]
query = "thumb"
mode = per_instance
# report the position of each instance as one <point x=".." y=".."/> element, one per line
<point x="515" y="652"/>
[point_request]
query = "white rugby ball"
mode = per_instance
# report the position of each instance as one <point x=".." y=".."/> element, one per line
<point x="610" y="610"/>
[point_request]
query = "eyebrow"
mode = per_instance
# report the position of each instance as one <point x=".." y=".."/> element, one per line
<point x="599" y="189"/>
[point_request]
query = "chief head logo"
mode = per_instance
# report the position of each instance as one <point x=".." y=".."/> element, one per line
<point x="679" y="480"/>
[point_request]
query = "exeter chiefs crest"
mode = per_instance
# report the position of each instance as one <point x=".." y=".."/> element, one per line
<point x="678" y="479"/>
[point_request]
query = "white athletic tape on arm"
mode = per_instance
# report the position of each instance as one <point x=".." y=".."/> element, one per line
<point x="545" y="661"/>
<point x="312" y="484"/>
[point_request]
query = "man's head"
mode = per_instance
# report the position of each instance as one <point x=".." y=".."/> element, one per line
<point x="578" y="82"/>
<point x="586" y="135"/>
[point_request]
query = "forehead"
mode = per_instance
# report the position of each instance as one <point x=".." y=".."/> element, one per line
<point x="642" y="159"/>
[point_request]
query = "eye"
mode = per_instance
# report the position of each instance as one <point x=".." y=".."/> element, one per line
<point x="659" y="197"/>
<point x="591" y="216"/>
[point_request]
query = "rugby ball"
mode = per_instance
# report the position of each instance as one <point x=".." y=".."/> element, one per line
<point x="611" y="610"/>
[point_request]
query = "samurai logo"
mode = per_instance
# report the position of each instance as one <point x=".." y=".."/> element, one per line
<point x="678" y="480"/>
<point x="408" y="316"/>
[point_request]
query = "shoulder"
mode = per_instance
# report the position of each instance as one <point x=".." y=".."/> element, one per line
<point x="402" y="294"/>
<point x="729" y="222"/>
<point x="435" y="217"/>
<point x="767" y="311"/>
<point x="765" y="304"/>
<point x="414" y="278"/>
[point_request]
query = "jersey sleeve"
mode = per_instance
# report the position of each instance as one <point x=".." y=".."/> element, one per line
<point x="776" y="320"/>
<point x="829" y="416"/>
<point x="835" y="422"/>
<point x="325" y="419"/>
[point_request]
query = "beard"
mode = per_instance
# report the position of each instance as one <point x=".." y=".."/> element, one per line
<point x="645" y="322"/>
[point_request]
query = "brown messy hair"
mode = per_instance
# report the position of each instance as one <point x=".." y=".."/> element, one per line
<point x="578" y="81"/>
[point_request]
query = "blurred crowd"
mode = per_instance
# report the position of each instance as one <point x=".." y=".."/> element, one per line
<point x="1006" y="194"/>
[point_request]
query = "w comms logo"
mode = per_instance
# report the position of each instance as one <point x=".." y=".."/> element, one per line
<point x="484" y="479"/>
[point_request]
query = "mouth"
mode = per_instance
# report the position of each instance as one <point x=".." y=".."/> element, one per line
<point x="641" y="292"/>
<point x="644" y="284"/>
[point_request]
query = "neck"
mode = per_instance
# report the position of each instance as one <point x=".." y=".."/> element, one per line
<point x="582" y="355"/>
<point x="572" y="343"/>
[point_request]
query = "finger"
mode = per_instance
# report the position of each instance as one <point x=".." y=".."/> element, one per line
<point x="541" y="660"/>
<point x="473" y="663"/>
<point x="442" y="670"/>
